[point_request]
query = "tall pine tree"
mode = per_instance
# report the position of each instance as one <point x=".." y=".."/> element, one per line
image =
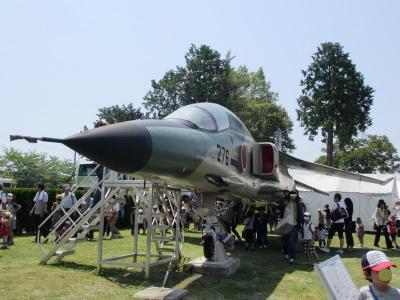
<point x="334" y="98"/>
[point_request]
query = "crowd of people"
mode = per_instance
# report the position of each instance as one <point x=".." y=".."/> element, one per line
<point x="332" y="219"/>
<point x="40" y="211"/>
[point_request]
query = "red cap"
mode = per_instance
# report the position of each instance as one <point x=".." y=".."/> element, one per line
<point x="376" y="261"/>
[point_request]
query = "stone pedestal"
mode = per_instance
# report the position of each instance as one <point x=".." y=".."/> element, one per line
<point x="203" y="266"/>
<point x="158" y="293"/>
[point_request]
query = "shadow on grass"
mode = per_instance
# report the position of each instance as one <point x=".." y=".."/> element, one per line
<point x="129" y="277"/>
<point x="194" y="240"/>
<point x="73" y="265"/>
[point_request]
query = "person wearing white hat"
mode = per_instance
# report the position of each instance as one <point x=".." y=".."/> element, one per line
<point x="309" y="233"/>
<point x="377" y="270"/>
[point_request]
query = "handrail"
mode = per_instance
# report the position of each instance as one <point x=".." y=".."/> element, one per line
<point x="72" y="210"/>
<point x="72" y="191"/>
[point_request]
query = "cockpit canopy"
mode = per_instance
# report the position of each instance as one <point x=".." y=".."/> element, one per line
<point x="209" y="116"/>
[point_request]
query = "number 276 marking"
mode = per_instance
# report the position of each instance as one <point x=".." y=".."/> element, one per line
<point x="223" y="155"/>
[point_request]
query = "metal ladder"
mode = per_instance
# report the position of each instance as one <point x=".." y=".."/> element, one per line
<point x="63" y="244"/>
<point x="164" y="224"/>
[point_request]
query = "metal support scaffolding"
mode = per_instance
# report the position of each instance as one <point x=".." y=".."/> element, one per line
<point x="163" y="223"/>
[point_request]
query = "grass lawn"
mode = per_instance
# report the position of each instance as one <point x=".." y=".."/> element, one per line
<point x="263" y="273"/>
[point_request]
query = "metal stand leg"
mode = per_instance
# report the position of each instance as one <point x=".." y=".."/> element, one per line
<point x="149" y="232"/>
<point x="135" y="228"/>
<point x="101" y="229"/>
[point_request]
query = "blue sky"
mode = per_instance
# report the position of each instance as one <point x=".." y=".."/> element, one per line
<point x="62" y="60"/>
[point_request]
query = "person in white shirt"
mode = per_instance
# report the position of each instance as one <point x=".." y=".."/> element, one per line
<point x="380" y="217"/>
<point x="337" y="225"/>
<point x="39" y="210"/>
<point x="309" y="233"/>
<point x="68" y="199"/>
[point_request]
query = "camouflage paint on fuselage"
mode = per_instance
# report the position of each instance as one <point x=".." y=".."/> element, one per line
<point x="218" y="161"/>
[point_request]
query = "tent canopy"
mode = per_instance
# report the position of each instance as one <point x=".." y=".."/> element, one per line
<point x="364" y="195"/>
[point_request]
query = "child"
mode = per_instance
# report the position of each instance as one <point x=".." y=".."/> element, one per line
<point x="13" y="208"/>
<point x="58" y="214"/>
<point x="321" y="229"/>
<point x="360" y="232"/>
<point x="261" y="229"/>
<point x="309" y="238"/>
<point x="392" y="229"/>
<point x="376" y="268"/>
<point x="327" y="212"/>
<point x="115" y="234"/>
<point x="248" y="232"/>
<point x="4" y="230"/>
<point x="64" y="228"/>
<point x="141" y="221"/>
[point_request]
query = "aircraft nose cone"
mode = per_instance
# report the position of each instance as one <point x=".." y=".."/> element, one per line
<point x="124" y="147"/>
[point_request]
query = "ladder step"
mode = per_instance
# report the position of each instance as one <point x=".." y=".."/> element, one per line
<point x="64" y="252"/>
<point x="91" y="227"/>
<point x="77" y="239"/>
<point x="158" y="214"/>
<point x="161" y="227"/>
<point x="161" y="239"/>
<point x="97" y="213"/>
<point x="165" y="250"/>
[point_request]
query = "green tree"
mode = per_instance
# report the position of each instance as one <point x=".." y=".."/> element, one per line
<point x="208" y="78"/>
<point x="372" y="154"/>
<point x="334" y="98"/>
<point x="166" y="95"/>
<point x="253" y="101"/>
<point x="263" y="119"/>
<point x="28" y="168"/>
<point x="116" y="113"/>
<point x="205" y="78"/>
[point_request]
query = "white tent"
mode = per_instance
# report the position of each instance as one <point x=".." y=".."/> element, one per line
<point x="364" y="195"/>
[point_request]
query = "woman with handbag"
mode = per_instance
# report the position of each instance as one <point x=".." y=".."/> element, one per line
<point x="380" y="217"/>
<point x="290" y="225"/>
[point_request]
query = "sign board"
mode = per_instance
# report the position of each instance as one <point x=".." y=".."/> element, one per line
<point x="337" y="279"/>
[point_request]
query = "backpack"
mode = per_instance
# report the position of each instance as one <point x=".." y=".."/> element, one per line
<point x="338" y="213"/>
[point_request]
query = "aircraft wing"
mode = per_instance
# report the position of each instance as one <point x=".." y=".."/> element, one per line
<point x="295" y="163"/>
<point x="309" y="187"/>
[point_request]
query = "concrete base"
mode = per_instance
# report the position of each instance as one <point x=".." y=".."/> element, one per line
<point x="203" y="266"/>
<point x="158" y="293"/>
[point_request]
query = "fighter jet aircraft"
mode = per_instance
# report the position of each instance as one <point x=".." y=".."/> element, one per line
<point x="203" y="146"/>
